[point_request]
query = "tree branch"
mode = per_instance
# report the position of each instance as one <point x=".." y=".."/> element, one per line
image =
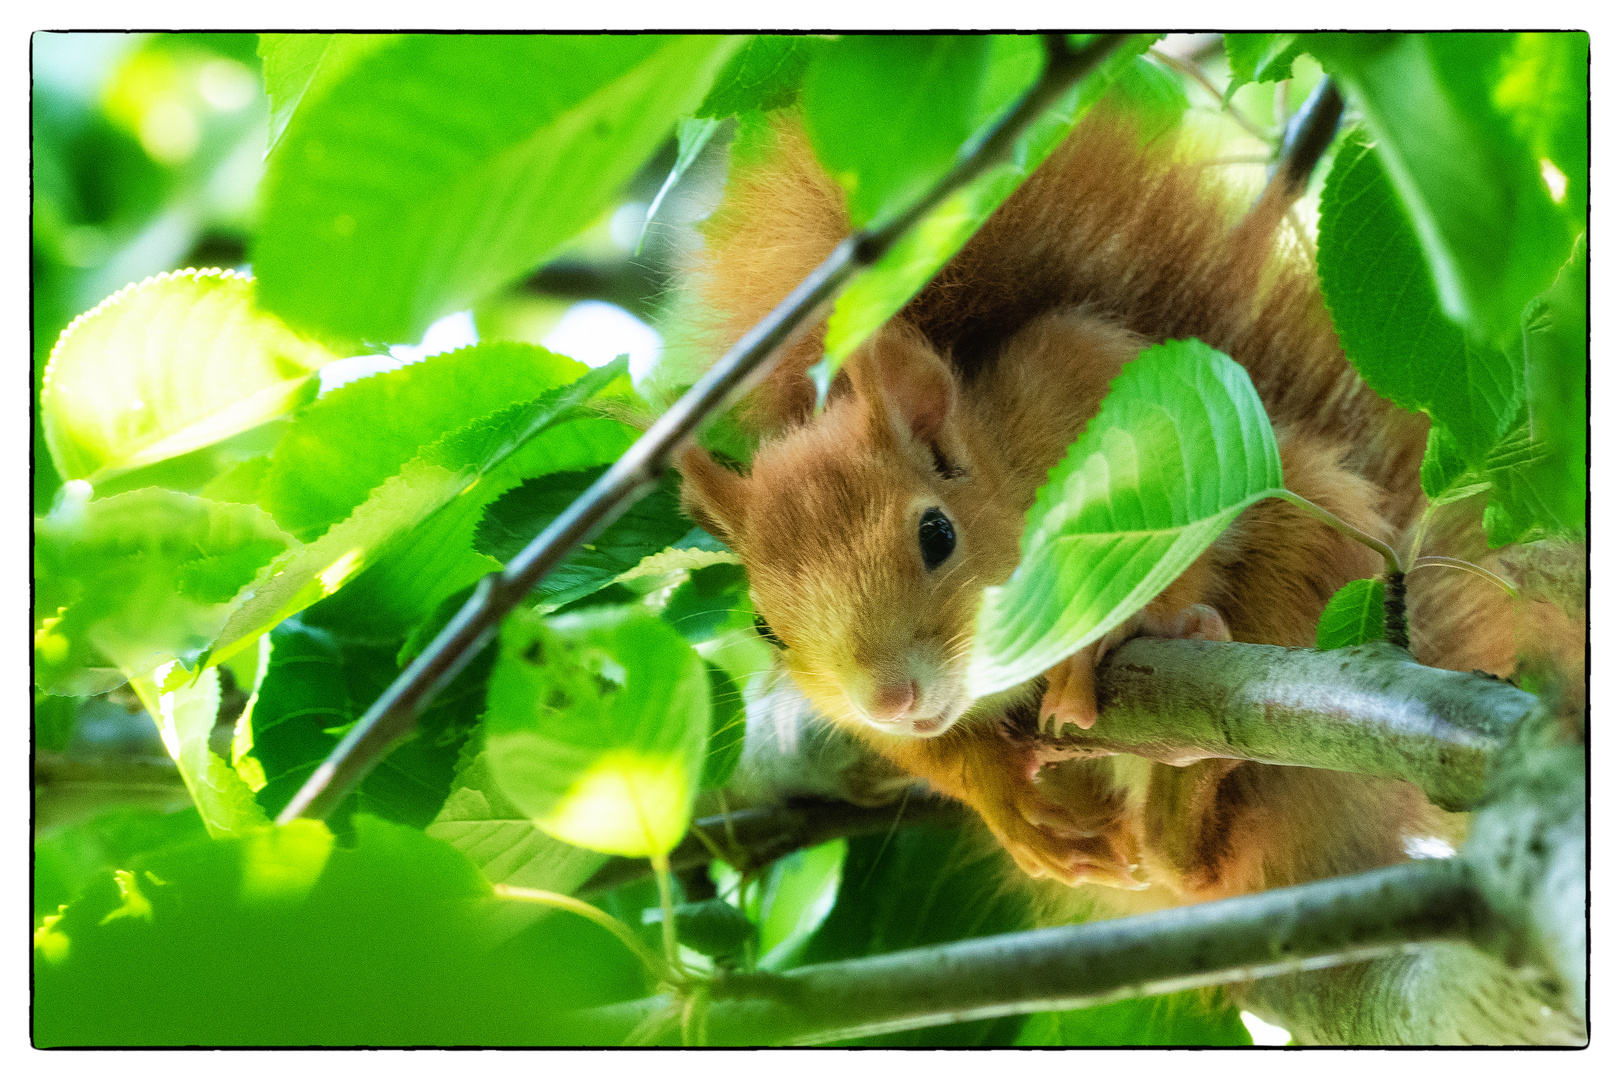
<point x="1180" y="701"/>
<point x="392" y="717"/>
<point x="1499" y="931"/>
<point x="1371" y="709"/>
<point x="757" y="836"/>
<point x="1071" y="967"/>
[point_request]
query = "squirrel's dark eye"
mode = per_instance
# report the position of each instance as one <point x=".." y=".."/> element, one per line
<point x="763" y="629"/>
<point x="936" y="537"/>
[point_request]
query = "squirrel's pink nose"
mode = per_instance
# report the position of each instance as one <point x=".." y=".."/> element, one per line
<point x="892" y="701"/>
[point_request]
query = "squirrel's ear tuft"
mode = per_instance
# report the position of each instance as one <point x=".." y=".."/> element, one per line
<point x="712" y="495"/>
<point x="915" y="385"/>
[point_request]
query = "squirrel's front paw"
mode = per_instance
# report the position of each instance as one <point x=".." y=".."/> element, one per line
<point x="1051" y="839"/>
<point x="1071" y="687"/>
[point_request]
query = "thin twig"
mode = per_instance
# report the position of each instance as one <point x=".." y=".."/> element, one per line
<point x="393" y="716"/>
<point x="1193" y="72"/>
<point x="1464" y="564"/>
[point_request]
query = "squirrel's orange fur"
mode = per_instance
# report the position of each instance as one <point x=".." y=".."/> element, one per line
<point x="998" y="363"/>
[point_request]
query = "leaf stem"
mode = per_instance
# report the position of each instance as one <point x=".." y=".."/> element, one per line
<point x="1392" y="561"/>
<point x="392" y="717"/>
<point x="656" y="967"/>
<point x="666" y="901"/>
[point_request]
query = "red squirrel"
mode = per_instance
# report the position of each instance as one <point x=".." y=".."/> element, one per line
<point x="869" y="530"/>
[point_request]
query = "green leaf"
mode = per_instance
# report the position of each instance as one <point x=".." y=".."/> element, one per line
<point x="185" y="717"/>
<point x="1261" y="58"/>
<point x="762" y="75"/>
<point x="1179" y="448"/>
<point x="915" y="887"/>
<point x="297" y="66"/>
<point x="440" y="166"/>
<point x="711" y="601"/>
<point x="437" y="559"/>
<point x="1460" y="129"/>
<point x="728" y="729"/>
<point x="1389" y="319"/>
<point x="317" y="686"/>
<point x="520" y="515"/>
<point x="351" y="440"/>
<point x="794" y="900"/>
<point x="924" y="87"/>
<point x="1556" y="374"/>
<point x="596" y="727"/>
<point x="878" y="292"/>
<point x="1354" y="616"/>
<point x="427" y="483"/>
<point x="1190" y="1018"/>
<point x="500" y="839"/>
<point x="694" y="551"/>
<point x="136" y="580"/>
<point x="283" y="938"/>
<point x="168" y="366"/>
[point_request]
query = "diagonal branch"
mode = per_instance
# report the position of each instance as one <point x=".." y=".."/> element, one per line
<point x="393" y="716"/>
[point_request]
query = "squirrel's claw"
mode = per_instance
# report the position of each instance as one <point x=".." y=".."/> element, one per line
<point x="1071" y="686"/>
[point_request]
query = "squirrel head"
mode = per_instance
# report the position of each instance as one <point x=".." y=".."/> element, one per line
<point x="869" y="533"/>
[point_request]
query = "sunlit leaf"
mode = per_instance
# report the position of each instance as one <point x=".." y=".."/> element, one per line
<point x="797" y="895"/>
<point x="441" y="166"/>
<point x="185" y="718"/>
<point x="428" y="482"/>
<point x="596" y="727"/>
<point x="139" y="579"/>
<point x="1179" y="448"/>
<point x="350" y="441"/>
<point x="695" y="550"/>
<point x="437" y="559"/>
<point x="299" y="66"/>
<point x="162" y="368"/>
<point x="1354" y="616"/>
<point x="501" y="840"/>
